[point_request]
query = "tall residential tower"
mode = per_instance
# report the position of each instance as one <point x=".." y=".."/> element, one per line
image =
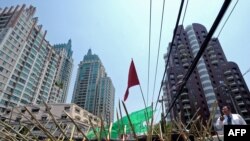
<point x="28" y="63"/>
<point x="66" y="67"/>
<point x="214" y="79"/>
<point x="94" y="90"/>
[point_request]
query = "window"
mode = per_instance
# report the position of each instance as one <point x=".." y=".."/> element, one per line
<point x="23" y="110"/>
<point x="64" y="117"/>
<point x="44" y="118"/>
<point x="18" y="119"/>
<point x="66" y="108"/>
<point x="77" y="110"/>
<point x="36" y="129"/>
<point x="3" y="118"/>
<point x="34" y="110"/>
<point x="48" y="109"/>
<point x="1" y="68"/>
<point x="78" y="118"/>
<point x="8" y="111"/>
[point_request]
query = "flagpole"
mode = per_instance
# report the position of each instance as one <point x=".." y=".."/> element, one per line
<point x="143" y="96"/>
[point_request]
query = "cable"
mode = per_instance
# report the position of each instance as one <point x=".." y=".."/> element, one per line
<point x="159" y="44"/>
<point x="149" y="43"/>
<point x="200" y="52"/>
<point x="246" y="72"/>
<point x="227" y="18"/>
<point x="184" y="13"/>
<point x="180" y="31"/>
<point x="175" y="30"/>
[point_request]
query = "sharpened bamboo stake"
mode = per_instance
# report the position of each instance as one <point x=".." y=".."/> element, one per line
<point x="130" y="123"/>
<point x="54" y="120"/>
<point x="40" y="125"/>
<point x="93" y="129"/>
<point x="76" y="125"/>
<point x="72" y="132"/>
<point x="6" y="125"/>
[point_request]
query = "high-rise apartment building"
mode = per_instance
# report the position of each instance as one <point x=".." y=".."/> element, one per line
<point x="28" y="63"/>
<point x="214" y="79"/>
<point x="94" y="90"/>
<point x="65" y="70"/>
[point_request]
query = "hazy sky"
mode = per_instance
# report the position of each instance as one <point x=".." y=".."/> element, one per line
<point x="117" y="30"/>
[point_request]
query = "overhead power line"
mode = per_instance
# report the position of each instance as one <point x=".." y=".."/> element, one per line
<point x="175" y="30"/>
<point x="149" y="44"/>
<point x="184" y="15"/>
<point x="246" y="72"/>
<point x="159" y="44"/>
<point x="227" y="18"/>
<point x="200" y="52"/>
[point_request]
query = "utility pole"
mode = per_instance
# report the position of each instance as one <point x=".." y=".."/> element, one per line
<point x="163" y="121"/>
<point x="228" y="93"/>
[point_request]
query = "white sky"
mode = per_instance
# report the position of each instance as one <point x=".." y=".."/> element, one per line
<point x="117" y="30"/>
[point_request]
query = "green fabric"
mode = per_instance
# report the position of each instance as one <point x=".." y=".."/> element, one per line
<point x="138" y="119"/>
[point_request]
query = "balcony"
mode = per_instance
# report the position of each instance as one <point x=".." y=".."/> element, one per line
<point x="184" y="55"/>
<point x="241" y="103"/>
<point x="209" y="47"/>
<point x="233" y="84"/>
<point x="227" y="72"/>
<point x="185" y="100"/>
<point x="214" y="62"/>
<point x="181" y="46"/>
<point x="247" y="119"/>
<point x="187" y="114"/>
<point x="185" y="65"/>
<point x="244" y="111"/>
<point x="179" y="76"/>
<point x="238" y="97"/>
<point x="235" y="90"/>
<point x="230" y="78"/>
<point x="210" y="52"/>
<point x="242" y="89"/>
<point x="212" y="56"/>
<point x="186" y="107"/>
<point x="182" y="50"/>
<point x="184" y="94"/>
<point x="184" y="60"/>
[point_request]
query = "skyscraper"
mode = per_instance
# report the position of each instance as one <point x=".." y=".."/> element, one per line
<point x="214" y="79"/>
<point x="28" y="63"/>
<point x="94" y="90"/>
<point x="66" y="67"/>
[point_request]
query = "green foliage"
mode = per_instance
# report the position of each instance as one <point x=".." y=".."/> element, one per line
<point x="59" y="84"/>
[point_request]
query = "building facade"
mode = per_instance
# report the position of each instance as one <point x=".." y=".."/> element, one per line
<point x="65" y="70"/>
<point x="215" y="79"/>
<point x="94" y="90"/>
<point x="28" y="63"/>
<point x="25" y="114"/>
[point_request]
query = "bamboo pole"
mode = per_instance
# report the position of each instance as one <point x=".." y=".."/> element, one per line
<point x="121" y="116"/>
<point x="54" y="120"/>
<point x="110" y="131"/>
<point x="130" y="123"/>
<point x="118" y="122"/>
<point x="6" y="125"/>
<point x="72" y="132"/>
<point x="40" y="125"/>
<point x="76" y="125"/>
<point x="93" y="129"/>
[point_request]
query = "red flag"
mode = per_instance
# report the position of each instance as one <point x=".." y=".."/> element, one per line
<point x="132" y="79"/>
